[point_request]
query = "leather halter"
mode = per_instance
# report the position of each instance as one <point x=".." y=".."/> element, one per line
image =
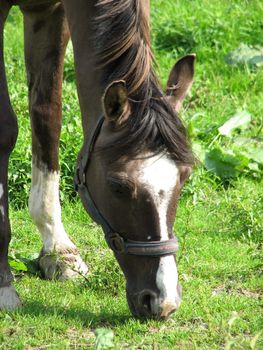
<point x="116" y="242"/>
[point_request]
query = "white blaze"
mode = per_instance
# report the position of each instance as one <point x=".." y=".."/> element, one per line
<point x="160" y="176"/>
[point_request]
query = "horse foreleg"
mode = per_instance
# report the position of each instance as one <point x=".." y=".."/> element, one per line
<point x="46" y="37"/>
<point x="8" y="134"/>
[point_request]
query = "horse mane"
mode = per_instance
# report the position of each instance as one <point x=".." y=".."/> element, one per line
<point x="123" y="51"/>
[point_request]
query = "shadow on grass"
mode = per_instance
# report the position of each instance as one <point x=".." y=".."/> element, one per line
<point x="87" y="318"/>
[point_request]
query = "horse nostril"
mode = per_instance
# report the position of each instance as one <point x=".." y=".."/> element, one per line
<point x="146" y="300"/>
<point x="150" y="305"/>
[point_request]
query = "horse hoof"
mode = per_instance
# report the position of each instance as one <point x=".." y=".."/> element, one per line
<point x="62" y="267"/>
<point x="9" y="299"/>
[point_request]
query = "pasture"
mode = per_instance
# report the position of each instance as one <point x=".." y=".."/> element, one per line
<point x="219" y="219"/>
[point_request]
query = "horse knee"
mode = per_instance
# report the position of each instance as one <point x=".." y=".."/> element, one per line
<point x="46" y="127"/>
<point x="46" y="120"/>
<point x="8" y="131"/>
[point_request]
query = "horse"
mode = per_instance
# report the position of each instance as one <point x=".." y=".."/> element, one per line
<point x="135" y="156"/>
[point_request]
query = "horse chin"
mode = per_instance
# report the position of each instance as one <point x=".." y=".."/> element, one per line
<point x="131" y="305"/>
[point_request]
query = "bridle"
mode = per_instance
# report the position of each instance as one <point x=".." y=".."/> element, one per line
<point x="116" y="242"/>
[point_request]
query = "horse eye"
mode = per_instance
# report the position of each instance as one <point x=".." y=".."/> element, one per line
<point x="120" y="187"/>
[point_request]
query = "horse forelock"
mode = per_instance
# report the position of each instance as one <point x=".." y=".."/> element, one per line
<point x="123" y="51"/>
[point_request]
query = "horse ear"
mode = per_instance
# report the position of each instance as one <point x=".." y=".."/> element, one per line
<point x="180" y="80"/>
<point x="116" y="104"/>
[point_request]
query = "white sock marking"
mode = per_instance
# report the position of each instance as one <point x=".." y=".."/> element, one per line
<point x="2" y="210"/>
<point x="45" y="209"/>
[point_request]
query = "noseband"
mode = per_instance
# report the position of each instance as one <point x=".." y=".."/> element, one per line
<point x="116" y="242"/>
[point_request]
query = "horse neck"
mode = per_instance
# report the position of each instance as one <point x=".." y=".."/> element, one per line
<point x="90" y="85"/>
<point x="87" y="75"/>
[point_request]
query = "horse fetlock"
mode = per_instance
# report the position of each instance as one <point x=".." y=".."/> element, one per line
<point x="9" y="299"/>
<point x="62" y="266"/>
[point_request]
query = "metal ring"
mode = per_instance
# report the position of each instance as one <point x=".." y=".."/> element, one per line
<point x="117" y="243"/>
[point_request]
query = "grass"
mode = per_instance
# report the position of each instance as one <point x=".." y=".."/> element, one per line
<point x="219" y="227"/>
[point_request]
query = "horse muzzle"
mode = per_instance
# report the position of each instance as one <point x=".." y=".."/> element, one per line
<point x="147" y="304"/>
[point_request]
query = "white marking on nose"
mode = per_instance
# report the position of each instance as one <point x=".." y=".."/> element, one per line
<point x="167" y="279"/>
<point x="2" y="210"/>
